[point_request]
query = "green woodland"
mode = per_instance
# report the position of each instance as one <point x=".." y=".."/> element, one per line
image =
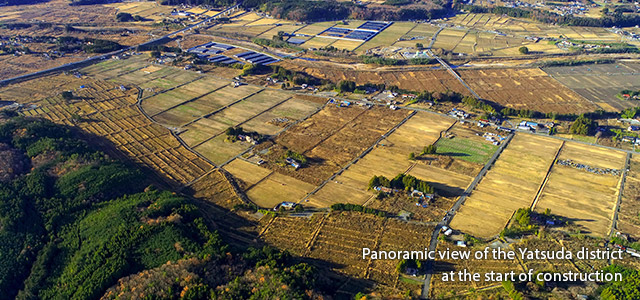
<point x="73" y="221"/>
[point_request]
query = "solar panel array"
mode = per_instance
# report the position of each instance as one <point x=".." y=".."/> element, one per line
<point x="210" y="48"/>
<point x="256" y="58"/>
<point x="364" y="32"/>
<point x="221" y="59"/>
<point x="210" y="51"/>
<point x="373" y="25"/>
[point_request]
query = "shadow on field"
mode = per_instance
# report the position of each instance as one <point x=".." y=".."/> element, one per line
<point x="447" y="190"/>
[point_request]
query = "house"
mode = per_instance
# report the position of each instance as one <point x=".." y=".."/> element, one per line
<point x="629" y="139"/>
<point x="526" y="128"/>
<point x="292" y="162"/>
<point x="461" y="244"/>
<point x="633" y="128"/>
<point x="285" y="205"/>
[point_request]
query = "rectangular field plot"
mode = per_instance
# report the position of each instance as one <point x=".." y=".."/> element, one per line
<point x="272" y="121"/>
<point x="601" y="83"/>
<point x="282" y="229"/>
<point x="526" y="89"/>
<point x="277" y="188"/>
<point x="330" y="139"/>
<point x="388" y="36"/>
<point x="170" y="112"/>
<point x="449" y="38"/>
<point x="247" y="173"/>
<point x="628" y="221"/>
<point x="468" y="149"/>
<point x="219" y="151"/>
<point x="584" y="197"/>
<point x="113" y="68"/>
<point x="428" y="80"/>
<point x="341" y="239"/>
<point x="511" y="183"/>
<point x="421" y="33"/>
<point x="388" y="158"/>
<point x="452" y="288"/>
<point x="318" y="42"/>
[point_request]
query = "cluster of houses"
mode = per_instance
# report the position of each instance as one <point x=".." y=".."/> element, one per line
<point x="590" y="169"/>
<point x="567" y="45"/>
<point x="249" y="139"/>
<point x="342" y="103"/>
<point x="495" y="139"/>
<point x="535" y="126"/>
<point x="631" y="139"/>
<point x="448" y="231"/>
<point x="422" y="199"/>
<point x="634" y="96"/>
<point x="566" y="9"/>
<point x="624" y="248"/>
<point x="627" y="34"/>
<point x="9" y="105"/>
<point x="458" y="113"/>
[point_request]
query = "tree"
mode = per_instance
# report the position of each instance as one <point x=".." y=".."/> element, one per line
<point x="155" y="54"/>
<point x="419" y="46"/>
<point x="346" y="86"/>
<point x="583" y="126"/>
<point x="430" y="149"/>
<point x="67" y="95"/>
<point x="412" y="156"/>
<point x="523" y="50"/>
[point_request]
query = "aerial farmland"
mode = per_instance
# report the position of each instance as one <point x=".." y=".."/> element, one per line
<point x="271" y="144"/>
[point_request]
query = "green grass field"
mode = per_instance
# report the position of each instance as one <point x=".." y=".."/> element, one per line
<point x="466" y="149"/>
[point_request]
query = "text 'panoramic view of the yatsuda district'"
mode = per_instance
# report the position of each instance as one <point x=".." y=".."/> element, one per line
<point x="320" y="149"/>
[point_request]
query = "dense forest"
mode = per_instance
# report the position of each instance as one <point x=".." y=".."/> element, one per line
<point x="76" y="224"/>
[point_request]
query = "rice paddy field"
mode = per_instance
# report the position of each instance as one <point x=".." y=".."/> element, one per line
<point x="524" y="27"/>
<point x="388" y="36"/>
<point x="389" y="158"/>
<point x="526" y="89"/>
<point x="149" y="10"/>
<point x="628" y="220"/>
<point x="601" y="83"/>
<point x="586" y="198"/>
<point x="421" y="33"/>
<point x="511" y="183"/>
<point x="337" y="238"/>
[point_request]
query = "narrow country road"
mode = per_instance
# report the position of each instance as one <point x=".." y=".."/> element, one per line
<point x="452" y="212"/>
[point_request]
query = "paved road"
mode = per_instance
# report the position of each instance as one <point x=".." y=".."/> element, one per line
<point x="433" y="38"/>
<point x="454" y="73"/>
<point x="452" y="212"/>
<point x="617" y="209"/>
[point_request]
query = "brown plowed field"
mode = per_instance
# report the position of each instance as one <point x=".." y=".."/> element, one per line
<point x="529" y="89"/>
